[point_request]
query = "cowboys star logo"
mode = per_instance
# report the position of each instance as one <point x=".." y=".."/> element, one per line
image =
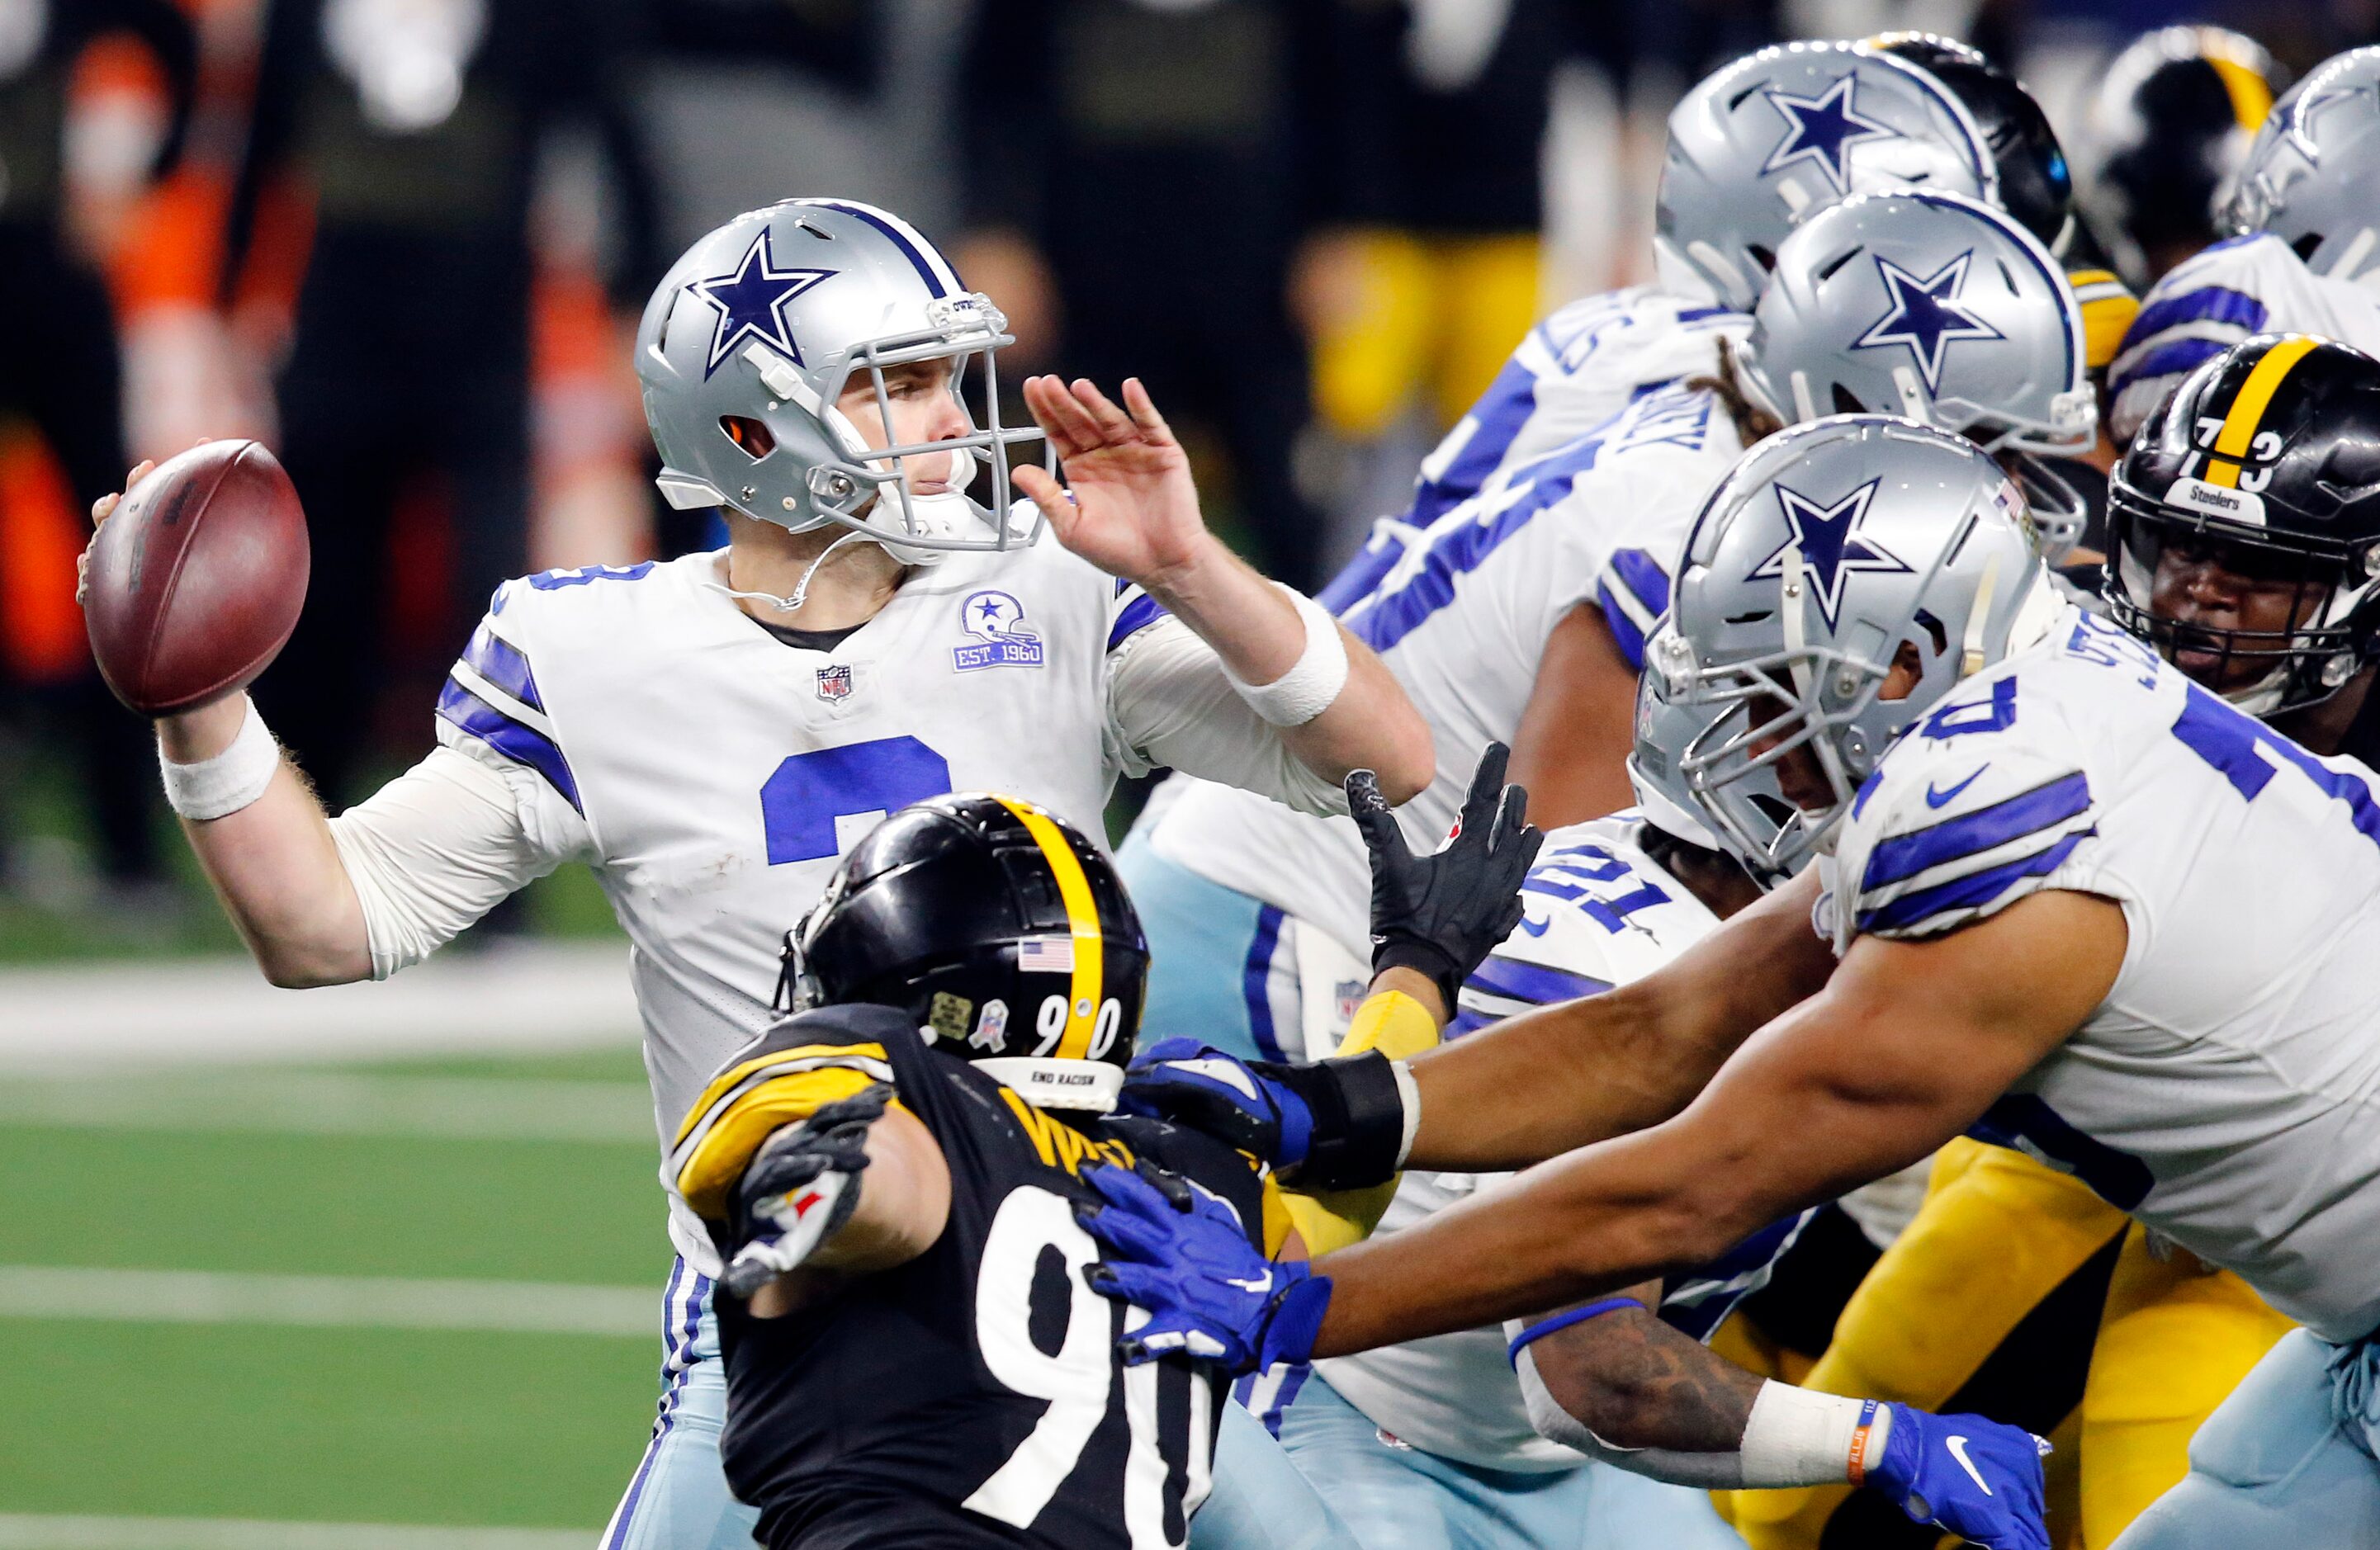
<point x="1822" y="129"/>
<point x="1926" y="315"/>
<point x="750" y="300"/>
<point x="1830" y="544"/>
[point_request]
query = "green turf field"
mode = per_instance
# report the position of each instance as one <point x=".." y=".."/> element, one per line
<point x="128" y="1415"/>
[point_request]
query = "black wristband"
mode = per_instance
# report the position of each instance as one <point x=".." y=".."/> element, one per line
<point x="1424" y="958"/>
<point x="1359" y="1120"/>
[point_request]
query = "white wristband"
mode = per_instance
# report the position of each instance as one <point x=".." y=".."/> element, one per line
<point x="222" y="786"/>
<point x="1409" y="1094"/>
<point x="1306" y="690"/>
<point x="1799" y="1436"/>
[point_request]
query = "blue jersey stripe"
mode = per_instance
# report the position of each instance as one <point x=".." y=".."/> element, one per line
<point x="500" y="663"/>
<point x="1699" y="1300"/>
<point x="2170" y="360"/>
<point x="1975" y="890"/>
<point x="1255" y="981"/>
<point x="1624" y="633"/>
<point x="1905" y="856"/>
<point x="2216" y="304"/>
<point x="1645" y="577"/>
<point x="2026" y="1122"/>
<point x="1133" y="618"/>
<point x="1534" y="983"/>
<point x="1501" y="414"/>
<point x="523" y="743"/>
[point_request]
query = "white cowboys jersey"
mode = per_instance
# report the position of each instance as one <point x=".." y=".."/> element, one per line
<point x="2248" y="284"/>
<point x="711" y="774"/>
<point x="1571" y="374"/>
<point x="1597" y="912"/>
<point x="1460" y="611"/>
<point x="2224" y="1092"/>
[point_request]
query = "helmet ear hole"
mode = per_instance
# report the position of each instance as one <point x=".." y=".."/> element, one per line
<point x="751" y="437"/>
<point x="2305" y="245"/>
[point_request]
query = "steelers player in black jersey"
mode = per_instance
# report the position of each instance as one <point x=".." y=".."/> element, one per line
<point x="892" y="1172"/>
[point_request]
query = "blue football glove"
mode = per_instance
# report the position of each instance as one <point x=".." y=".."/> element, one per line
<point x="1964" y="1473"/>
<point x="1241" y="1103"/>
<point x="1184" y="1258"/>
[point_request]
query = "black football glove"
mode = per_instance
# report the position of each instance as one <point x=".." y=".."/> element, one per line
<point x="1440" y="914"/>
<point x="800" y="1187"/>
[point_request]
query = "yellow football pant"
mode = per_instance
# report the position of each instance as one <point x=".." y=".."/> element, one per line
<point x="1998" y="1233"/>
<point x="1434" y="315"/>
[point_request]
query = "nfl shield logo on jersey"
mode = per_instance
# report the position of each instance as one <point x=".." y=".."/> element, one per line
<point x="997" y="620"/>
<point x="834" y="683"/>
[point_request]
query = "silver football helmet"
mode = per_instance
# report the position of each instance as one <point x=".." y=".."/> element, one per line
<point x="1664" y="729"/>
<point x="1829" y="548"/>
<point x="1781" y="134"/>
<point x="2313" y="174"/>
<point x="751" y="339"/>
<point x="1941" y="309"/>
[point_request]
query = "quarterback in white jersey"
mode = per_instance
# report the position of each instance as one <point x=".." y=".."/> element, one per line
<point x="710" y="733"/>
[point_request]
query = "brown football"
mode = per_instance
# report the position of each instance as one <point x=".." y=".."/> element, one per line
<point x="196" y="578"/>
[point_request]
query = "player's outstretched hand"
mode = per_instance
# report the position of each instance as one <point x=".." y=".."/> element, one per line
<point x="802" y="1186"/>
<point x="100" y="510"/>
<point x="1440" y="914"/>
<point x="1967" y="1475"/>
<point x="1133" y="510"/>
<point x="1184" y="1257"/>
<point x="1253" y="1105"/>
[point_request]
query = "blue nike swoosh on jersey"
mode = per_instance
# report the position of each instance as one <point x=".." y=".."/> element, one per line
<point x="1537" y="927"/>
<point x="1940" y="798"/>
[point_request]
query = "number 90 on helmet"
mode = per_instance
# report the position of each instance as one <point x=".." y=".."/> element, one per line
<point x="1004" y="934"/>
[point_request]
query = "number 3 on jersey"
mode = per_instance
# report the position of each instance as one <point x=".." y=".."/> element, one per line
<point x="814" y="804"/>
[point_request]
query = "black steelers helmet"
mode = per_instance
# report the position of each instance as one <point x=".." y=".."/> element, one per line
<point x="2171" y="123"/>
<point x="2035" y="187"/>
<point x="2266" y="461"/>
<point x="1004" y="934"/>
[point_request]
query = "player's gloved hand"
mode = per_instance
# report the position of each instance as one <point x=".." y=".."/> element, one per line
<point x="1440" y="914"/>
<point x="1964" y="1473"/>
<point x="800" y="1187"/>
<point x="1183" y="1255"/>
<point x="1253" y="1105"/>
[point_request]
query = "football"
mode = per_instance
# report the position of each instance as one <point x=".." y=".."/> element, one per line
<point x="196" y="578"/>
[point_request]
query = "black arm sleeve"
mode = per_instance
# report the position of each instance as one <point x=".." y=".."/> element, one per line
<point x="161" y="25"/>
<point x="290" y="27"/>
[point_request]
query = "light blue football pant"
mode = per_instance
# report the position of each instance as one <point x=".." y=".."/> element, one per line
<point x="2287" y="1460"/>
<point x="678" y="1499"/>
<point x="1395" y="1497"/>
<point x="1216" y="968"/>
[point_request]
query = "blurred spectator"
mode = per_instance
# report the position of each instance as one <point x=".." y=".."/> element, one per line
<point x="1139" y="174"/>
<point x="1433" y="276"/>
<point x="60" y="362"/>
<point x="414" y="127"/>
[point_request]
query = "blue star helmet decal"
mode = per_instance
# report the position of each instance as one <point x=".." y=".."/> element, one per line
<point x="1926" y="315"/>
<point x="750" y="301"/>
<point x="1830" y="543"/>
<point x="1823" y="129"/>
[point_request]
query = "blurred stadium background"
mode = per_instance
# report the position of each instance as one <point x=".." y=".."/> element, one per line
<point x="377" y="1266"/>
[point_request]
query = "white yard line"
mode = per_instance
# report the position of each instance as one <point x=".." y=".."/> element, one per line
<point x="31" y="1531"/>
<point x="338" y="1103"/>
<point x="42" y="1291"/>
<point x="519" y="996"/>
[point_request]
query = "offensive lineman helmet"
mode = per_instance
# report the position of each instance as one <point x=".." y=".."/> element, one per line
<point x="1765" y="141"/>
<point x="1940" y="309"/>
<point x="2169" y="125"/>
<point x="1004" y="934"/>
<point x="2266" y="461"/>
<point x="1830" y="549"/>
<point x="2035" y="186"/>
<point x="750" y="341"/>
<point x="2313" y="176"/>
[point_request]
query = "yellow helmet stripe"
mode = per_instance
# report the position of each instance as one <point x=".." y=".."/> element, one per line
<point x="1082" y="917"/>
<point x="2250" y="97"/>
<point x="2248" y="407"/>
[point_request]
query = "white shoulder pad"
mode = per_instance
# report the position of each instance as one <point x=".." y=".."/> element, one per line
<point x="1967" y="814"/>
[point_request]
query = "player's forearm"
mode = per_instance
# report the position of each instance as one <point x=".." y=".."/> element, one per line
<point x="904" y="1201"/>
<point x="1562" y="1077"/>
<point x="272" y="861"/>
<point x="1636" y="1383"/>
<point x="1259" y="635"/>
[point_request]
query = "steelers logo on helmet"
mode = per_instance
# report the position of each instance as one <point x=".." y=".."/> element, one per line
<point x="1004" y="934"/>
<point x="2244" y="523"/>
